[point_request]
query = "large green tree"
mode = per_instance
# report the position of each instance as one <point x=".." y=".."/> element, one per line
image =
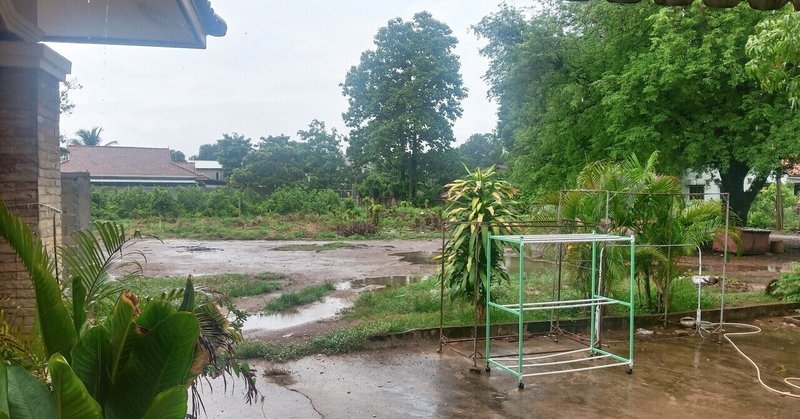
<point x="581" y="82"/>
<point x="404" y="97"/>
<point x="316" y="161"/>
<point x="323" y="160"/>
<point x="229" y="151"/>
<point x="775" y="54"/>
<point x="480" y="151"/>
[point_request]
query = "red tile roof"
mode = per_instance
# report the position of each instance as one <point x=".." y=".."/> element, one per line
<point x="110" y="161"/>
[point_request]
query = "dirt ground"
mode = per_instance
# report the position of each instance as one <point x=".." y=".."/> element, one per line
<point x="371" y="262"/>
<point x="305" y="263"/>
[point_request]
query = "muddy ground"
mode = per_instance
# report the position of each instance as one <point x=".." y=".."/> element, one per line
<point x="353" y="267"/>
<point x="359" y="266"/>
<point x="673" y="377"/>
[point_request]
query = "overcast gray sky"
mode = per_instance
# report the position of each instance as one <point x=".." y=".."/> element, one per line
<point x="278" y="68"/>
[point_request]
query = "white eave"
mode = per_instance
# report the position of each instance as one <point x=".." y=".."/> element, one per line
<point x="163" y="23"/>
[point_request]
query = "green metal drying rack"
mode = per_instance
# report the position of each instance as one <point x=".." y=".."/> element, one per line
<point x="519" y="364"/>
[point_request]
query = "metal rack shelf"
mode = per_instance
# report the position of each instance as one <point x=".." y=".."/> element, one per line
<point x="518" y="364"/>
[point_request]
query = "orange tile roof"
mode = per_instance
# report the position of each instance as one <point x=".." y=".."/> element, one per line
<point x="110" y="161"/>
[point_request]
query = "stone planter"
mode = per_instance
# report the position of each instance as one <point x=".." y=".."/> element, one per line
<point x="755" y="241"/>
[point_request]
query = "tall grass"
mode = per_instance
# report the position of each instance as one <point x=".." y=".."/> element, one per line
<point x="231" y="284"/>
<point x="308" y="295"/>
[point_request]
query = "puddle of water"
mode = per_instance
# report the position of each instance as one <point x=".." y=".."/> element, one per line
<point x="418" y="257"/>
<point x="328" y="307"/>
<point x="198" y="249"/>
<point x="379" y="282"/>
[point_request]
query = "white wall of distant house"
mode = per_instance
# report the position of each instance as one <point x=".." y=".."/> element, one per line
<point x="709" y="181"/>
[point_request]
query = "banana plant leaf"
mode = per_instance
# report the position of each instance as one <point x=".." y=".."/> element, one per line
<point x="72" y="399"/>
<point x="91" y="358"/>
<point x="28" y="398"/>
<point x="55" y="321"/>
<point x="161" y="360"/>
<point x="169" y="404"/>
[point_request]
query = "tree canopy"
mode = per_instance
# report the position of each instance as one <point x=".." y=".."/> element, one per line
<point x="584" y="82"/>
<point x="316" y="161"/>
<point x="229" y="151"/>
<point x="403" y="99"/>
<point x="481" y="151"/>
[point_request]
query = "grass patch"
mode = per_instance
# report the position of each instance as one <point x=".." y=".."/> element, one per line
<point x="416" y="305"/>
<point x="333" y="343"/>
<point x="306" y="295"/>
<point x="231" y="284"/>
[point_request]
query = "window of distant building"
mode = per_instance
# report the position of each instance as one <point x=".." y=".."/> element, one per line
<point x="216" y="174"/>
<point x="697" y="191"/>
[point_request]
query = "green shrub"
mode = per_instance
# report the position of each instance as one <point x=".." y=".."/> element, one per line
<point x="357" y="228"/>
<point x="163" y="203"/>
<point x="788" y="286"/>
<point x="762" y="212"/>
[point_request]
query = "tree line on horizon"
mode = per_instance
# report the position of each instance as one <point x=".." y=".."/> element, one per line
<point x="575" y="83"/>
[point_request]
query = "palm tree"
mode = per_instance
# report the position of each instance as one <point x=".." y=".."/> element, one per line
<point x="90" y="138"/>
<point x="641" y="202"/>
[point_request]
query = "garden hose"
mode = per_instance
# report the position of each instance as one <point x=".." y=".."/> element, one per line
<point x="755" y="330"/>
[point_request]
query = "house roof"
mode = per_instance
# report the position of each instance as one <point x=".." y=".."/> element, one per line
<point x="138" y="162"/>
<point x="174" y="23"/>
<point x="206" y="164"/>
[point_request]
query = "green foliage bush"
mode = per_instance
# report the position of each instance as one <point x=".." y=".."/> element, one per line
<point x="294" y="200"/>
<point x="138" y="202"/>
<point x="788" y="286"/>
<point x="762" y="212"/>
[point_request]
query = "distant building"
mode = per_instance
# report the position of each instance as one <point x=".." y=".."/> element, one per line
<point x="705" y="185"/>
<point x="130" y="166"/>
<point x="211" y="169"/>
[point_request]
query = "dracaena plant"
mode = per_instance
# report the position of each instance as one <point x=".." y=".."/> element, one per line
<point x="476" y="205"/>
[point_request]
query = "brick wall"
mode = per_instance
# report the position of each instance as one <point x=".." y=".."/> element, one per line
<point x="29" y="173"/>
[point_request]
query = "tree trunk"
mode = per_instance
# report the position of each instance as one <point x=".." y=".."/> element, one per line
<point x="412" y="176"/>
<point x="647" y="291"/>
<point x="778" y="202"/>
<point x="733" y="182"/>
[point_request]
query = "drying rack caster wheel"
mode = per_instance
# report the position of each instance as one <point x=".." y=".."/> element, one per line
<point x="521" y="386"/>
<point x="629" y="371"/>
<point x="488" y="369"/>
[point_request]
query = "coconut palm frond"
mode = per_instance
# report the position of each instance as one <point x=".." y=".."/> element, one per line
<point x="97" y="254"/>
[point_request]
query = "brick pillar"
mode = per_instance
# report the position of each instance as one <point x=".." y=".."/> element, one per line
<point x="30" y="177"/>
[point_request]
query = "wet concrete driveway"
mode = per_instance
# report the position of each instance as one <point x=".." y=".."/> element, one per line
<point x="674" y="377"/>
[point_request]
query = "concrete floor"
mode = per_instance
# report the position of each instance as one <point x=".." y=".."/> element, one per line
<point x="674" y="377"/>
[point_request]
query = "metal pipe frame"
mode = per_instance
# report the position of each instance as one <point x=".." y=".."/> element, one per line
<point x="518" y="309"/>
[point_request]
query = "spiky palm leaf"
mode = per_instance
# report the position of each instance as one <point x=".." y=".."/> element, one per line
<point x="91" y="262"/>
